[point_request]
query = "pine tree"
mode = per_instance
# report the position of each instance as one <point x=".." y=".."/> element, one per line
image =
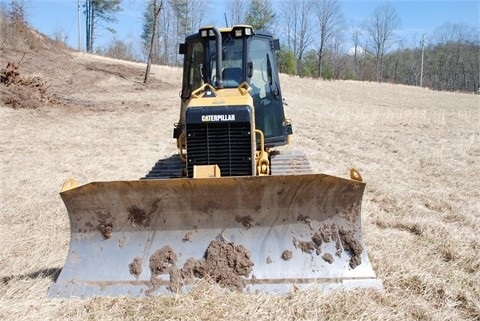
<point x="260" y="14"/>
<point x="97" y="11"/>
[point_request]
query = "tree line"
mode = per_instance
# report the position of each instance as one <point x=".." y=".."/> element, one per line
<point x="318" y="43"/>
<point x="316" y="40"/>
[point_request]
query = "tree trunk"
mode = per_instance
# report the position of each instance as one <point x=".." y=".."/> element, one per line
<point x="156" y="12"/>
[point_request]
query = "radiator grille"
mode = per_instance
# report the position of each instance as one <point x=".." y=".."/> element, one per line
<point x="226" y="144"/>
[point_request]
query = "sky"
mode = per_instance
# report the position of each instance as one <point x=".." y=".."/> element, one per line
<point x="60" y="17"/>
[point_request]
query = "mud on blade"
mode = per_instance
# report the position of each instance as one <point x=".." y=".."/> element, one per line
<point x="270" y="233"/>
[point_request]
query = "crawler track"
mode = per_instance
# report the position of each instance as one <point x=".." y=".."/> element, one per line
<point x="290" y="163"/>
<point x="170" y="167"/>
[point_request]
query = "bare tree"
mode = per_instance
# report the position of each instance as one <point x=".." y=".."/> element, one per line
<point x="166" y="36"/>
<point x="238" y="11"/>
<point x="182" y="17"/>
<point x="337" y="59"/>
<point x="357" y="51"/>
<point x="456" y="57"/>
<point x="165" y="47"/>
<point x="381" y="28"/>
<point x="17" y="13"/>
<point x="175" y="20"/>
<point x="189" y="15"/>
<point x="330" y="20"/>
<point x="120" y="49"/>
<point x="297" y="19"/>
<point x="155" y="6"/>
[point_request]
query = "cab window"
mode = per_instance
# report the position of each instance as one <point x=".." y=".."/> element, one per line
<point x="269" y="115"/>
<point x="193" y="68"/>
<point x="232" y="57"/>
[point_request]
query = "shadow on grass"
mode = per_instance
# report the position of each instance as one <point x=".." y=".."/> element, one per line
<point x="51" y="273"/>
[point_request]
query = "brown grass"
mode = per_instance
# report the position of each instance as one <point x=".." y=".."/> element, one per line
<point x="418" y="150"/>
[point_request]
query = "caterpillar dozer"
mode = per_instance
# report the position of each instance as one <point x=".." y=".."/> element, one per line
<point x="231" y="207"/>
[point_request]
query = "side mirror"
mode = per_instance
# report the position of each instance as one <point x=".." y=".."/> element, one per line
<point x="182" y="49"/>
<point x="276" y="44"/>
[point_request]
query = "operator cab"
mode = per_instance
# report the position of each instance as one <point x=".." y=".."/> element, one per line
<point x="246" y="56"/>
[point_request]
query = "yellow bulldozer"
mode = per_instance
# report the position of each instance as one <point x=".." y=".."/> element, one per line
<point x="231" y="207"/>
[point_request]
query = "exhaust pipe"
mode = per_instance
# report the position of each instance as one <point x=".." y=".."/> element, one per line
<point x="219" y="62"/>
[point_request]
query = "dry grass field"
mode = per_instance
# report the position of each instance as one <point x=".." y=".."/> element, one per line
<point x="418" y="151"/>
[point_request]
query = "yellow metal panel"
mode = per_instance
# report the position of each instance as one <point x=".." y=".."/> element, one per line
<point x="224" y="97"/>
<point x="206" y="171"/>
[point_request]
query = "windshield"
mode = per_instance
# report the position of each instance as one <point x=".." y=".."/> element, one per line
<point x="232" y="56"/>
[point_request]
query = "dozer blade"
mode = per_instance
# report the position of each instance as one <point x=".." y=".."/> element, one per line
<point x="270" y="234"/>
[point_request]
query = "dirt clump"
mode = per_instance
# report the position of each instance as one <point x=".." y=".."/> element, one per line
<point x="235" y="257"/>
<point x="188" y="237"/>
<point x="304" y="246"/>
<point x="175" y="280"/>
<point x="287" y="255"/>
<point x="106" y="230"/>
<point x="193" y="269"/>
<point x="189" y="234"/>
<point x="344" y="241"/>
<point x="247" y="221"/>
<point x="352" y="246"/>
<point x="326" y="232"/>
<point x="224" y="262"/>
<point x="329" y="234"/>
<point x="305" y="219"/>
<point x="136" y="266"/>
<point x="317" y="239"/>
<point x="164" y="261"/>
<point x="327" y="257"/>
